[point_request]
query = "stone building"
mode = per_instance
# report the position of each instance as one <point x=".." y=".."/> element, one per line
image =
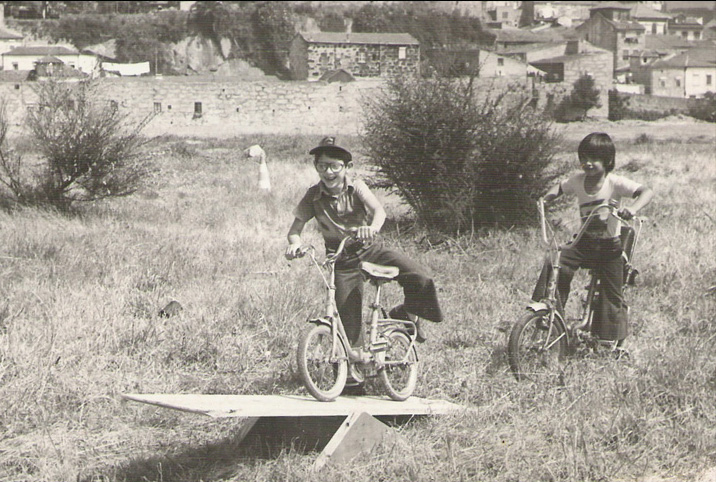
<point x="611" y="27"/>
<point x="685" y="74"/>
<point x="361" y="54"/>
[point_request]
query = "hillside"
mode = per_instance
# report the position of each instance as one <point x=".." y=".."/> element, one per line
<point x="247" y="34"/>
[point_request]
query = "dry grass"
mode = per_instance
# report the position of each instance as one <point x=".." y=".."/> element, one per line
<point x="79" y="326"/>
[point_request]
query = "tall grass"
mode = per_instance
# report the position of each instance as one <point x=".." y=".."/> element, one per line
<point x="79" y="326"/>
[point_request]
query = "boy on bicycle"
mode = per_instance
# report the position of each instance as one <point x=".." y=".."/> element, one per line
<point x="339" y="204"/>
<point x="600" y="248"/>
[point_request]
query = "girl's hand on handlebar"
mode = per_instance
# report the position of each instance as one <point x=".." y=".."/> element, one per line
<point x="366" y="233"/>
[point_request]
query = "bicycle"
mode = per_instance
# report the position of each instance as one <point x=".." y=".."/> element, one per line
<point x="388" y="346"/>
<point x="542" y="337"/>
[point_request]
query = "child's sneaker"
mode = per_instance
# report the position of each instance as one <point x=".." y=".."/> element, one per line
<point x="399" y="313"/>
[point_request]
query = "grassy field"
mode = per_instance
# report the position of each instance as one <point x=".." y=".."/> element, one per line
<point x="79" y="326"/>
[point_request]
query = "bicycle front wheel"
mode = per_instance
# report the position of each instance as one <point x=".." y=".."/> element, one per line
<point x="324" y="372"/>
<point x="534" y="348"/>
<point x="400" y="373"/>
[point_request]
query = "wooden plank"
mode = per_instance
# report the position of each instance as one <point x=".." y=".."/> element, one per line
<point x="219" y="406"/>
<point x="359" y="434"/>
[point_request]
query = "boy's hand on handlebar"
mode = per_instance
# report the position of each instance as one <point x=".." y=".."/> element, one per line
<point x="366" y="233"/>
<point x="625" y="213"/>
<point x="294" y="251"/>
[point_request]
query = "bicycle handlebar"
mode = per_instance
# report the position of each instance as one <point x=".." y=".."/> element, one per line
<point x="595" y="211"/>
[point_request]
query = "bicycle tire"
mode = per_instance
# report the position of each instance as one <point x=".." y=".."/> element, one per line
<point x="323" y="379"/>
<point x="399" y="380"/>
<point x="529" y="360"/>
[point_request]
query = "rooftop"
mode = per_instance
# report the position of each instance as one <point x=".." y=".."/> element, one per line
<point x="359" y="38"/>
<point x="42" y="50"/>
<point x="692" y="58"/>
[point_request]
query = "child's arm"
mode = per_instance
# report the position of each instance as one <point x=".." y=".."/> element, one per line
<point x="642" y="197"/>
<point x="554" y="192"/>
<point x="294" y="238"/>
<point x="377" y="213"/>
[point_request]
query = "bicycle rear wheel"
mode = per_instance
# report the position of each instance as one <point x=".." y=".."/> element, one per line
<point x="324" y="373"/>
<point x="534" y="349"/>
<point x="399" y="379"/>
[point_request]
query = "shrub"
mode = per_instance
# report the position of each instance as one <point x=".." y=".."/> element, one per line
<point x="460" y="161"/>
<point x="584" y="96"/>
<point x="704" y="109"/>
<point x="87" y="151"/>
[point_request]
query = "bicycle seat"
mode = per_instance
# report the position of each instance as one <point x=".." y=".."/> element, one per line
<point x="380" y="272"/>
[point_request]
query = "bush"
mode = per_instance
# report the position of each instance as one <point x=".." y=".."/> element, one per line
<point x="87" y="151"/>
<point x="704" y="109"/>
<point x="584" y="96"/>
<point x="459" y="161"/>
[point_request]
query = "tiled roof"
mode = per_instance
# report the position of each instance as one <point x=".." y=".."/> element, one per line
<point x="525" y="48"/>
<point x="14" y="75"/>
<point x="674" y="42"/>
<point x="625" y="24"/>
<point x="692" y="58"/>
<point x="611" y="6"/>
<point x="359" y="38"/>
<point x="7" y="34"/>
<point x="527" y="36"/>
<point x="644" y="11"/>
<point x="41" y="50"/>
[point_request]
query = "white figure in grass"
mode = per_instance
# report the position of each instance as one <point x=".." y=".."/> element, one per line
<point x="257" y="154"/>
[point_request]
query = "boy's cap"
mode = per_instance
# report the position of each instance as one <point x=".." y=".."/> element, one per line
<point x="329" y="144"/>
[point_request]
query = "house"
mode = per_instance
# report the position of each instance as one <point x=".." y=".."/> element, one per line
<point x="611" y="27"/>
<point x="653" y="21"/>
<point x="506" y="38"/>
<point x="25" y="58"/>
<point x="534" y="52"/>
<point x="9" y="39"/>
<point x="688" y="74"/>
<point x="477" y="62"/>
<point x="579" y="58"/>
<point x="576" y="12"/>
<point x="709" y="31"/>
<point x="689" y="28"/>
<point x="361" y="54"/>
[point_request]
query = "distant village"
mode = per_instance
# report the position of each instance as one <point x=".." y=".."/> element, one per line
<point x="631" y="47"/>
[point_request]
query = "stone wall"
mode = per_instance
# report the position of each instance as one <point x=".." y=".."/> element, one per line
<point x="235" y="107"/>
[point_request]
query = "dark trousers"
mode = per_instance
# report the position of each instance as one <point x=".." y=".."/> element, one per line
<point x="610" y="320"/>
<point x="418" y="288"/>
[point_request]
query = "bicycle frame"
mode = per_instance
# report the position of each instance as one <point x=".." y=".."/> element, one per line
<point x="550" y="301"/>
<point x="332" y="318"/>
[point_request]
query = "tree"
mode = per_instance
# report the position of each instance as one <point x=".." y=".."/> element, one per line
<point x="460" y="160"/>
<point x="585" y="95"/>
<point x="88" y="150"/>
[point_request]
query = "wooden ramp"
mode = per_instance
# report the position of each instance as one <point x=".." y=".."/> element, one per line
<point x="359" y="433"/>
<point x="219" y="406"/>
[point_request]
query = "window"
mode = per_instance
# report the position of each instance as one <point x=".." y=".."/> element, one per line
<point x="697" y="35"/>
<point x="505" y="15"/>
<point x="157" y="107"/>
<point x="678" y="81"/>
<point x="500" y="61"/>
<point x="362" y="57"/>
<point x="662" y="81"/>
<point x="15" y="66"/>
<point x="625" y="55"/>
<point x="631" y="40"/>
<point x="653" y="28"/>
<point x="402" y="53"/>
<point x="709" y="79"/>
<point x="197" y="110"/>
<point x="114" y="105"/>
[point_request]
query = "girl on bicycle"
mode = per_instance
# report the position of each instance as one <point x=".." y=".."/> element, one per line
<point x="600" y="248"/>
<point x="339" y="204"/>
